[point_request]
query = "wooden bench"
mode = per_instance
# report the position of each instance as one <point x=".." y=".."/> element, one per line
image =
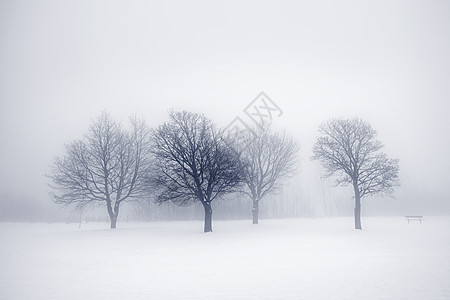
<point x="414" y="218"/>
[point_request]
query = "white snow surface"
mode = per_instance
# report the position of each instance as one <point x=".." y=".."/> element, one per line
<point x="278" y="259"/>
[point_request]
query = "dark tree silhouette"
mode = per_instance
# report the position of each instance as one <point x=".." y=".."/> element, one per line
<point x="267" y="158"/>
<point x="193" y="162"/>
<point x="348" y="148"/>
<point x="107" y="166"/>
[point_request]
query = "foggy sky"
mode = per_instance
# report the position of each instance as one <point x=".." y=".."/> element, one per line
<point x="63" y="62"/>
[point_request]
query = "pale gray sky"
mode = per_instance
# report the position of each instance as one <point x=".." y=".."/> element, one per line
<point x="63" y="62"/>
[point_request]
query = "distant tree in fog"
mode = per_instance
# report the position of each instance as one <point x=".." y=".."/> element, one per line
<point x="266" y="158"/>
<point x="348" y="148"/>
<point x="108" y="166"/>
<point x="193" y="162"/>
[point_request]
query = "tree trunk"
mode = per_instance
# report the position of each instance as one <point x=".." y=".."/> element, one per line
<point x="357" y="207"/>
<point x="255" y="211"/>
<point x="208" y="217"/>
<point x="113" y="215"/>
<point x="81" y="218"/>
<point x="113" y="221"/>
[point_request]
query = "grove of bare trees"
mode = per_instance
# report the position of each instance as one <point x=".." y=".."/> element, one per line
<point x="348" y="149"/>
<point x="188" y="159"/>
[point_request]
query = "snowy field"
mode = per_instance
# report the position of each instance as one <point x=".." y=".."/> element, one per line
<point x="278" y="259"/>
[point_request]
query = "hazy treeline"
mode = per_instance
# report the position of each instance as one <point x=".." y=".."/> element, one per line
<point x="291" y="202"/>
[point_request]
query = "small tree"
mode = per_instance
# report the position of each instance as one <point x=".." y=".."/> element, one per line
<point x="108" y="166"/>
<point x="193" y="162"/>
<point x="348" y="148"/>
<point x="267" y="158"/>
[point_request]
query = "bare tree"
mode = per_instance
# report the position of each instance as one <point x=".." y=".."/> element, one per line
<point x="267" y="158"/>
<point x="108" y="166"/>
<point x="348" y="148"/>
<point x="193" y="162"/>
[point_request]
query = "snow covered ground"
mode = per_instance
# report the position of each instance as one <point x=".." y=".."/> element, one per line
<point x="278" y="259"/>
